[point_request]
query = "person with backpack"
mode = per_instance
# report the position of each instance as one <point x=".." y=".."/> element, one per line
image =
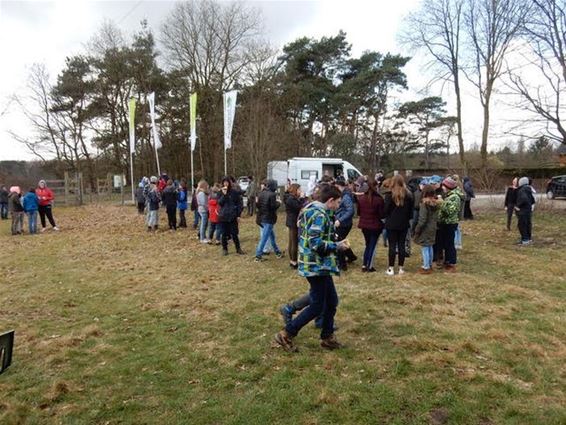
<point x="318" y="264"/>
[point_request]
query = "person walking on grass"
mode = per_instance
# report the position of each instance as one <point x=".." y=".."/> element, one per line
<point x="294" y="201"/>
<point x="343" y="222"/>
<point x="140" y="195"/>
<point x="202" y="205"/>
<point x="215" y="229"/>
<point x="469" y="195"/>
<point x="448" y="218"/>
<point x="30" y="202"/>
<point x="425" y="229"/>
<point x="317" y="263"/>
<point x="398" y="210"/>
<point x="370" y="204"/>
<point x="524" y="209"/>
<point x="169" y="200"/>
<point x="4" y="202"/>
<point x="267" y="207"/>
<point x="153" y="199"/>
<point x="251" y="193"/>
<point x="230" y="204"/>
<point x="46" y="199"/>
<point x="182" y="204"/>
<point x="16" y="210"/>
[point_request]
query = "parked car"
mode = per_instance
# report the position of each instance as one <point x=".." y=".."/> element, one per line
<point x="556" y="187"/>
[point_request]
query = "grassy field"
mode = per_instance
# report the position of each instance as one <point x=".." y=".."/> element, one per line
<point x="118" y="326"/>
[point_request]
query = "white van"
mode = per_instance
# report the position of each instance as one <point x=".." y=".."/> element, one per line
<point x="299" y="170"/>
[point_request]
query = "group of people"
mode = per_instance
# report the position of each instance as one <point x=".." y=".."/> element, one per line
<point x="38" y="200"/>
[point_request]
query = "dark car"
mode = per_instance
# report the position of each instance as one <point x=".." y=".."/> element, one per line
<point x="556" y="187"/>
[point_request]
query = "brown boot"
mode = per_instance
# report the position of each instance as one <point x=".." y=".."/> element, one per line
<point x="450" y="268"/>
<point x="283" y="339"/>
<point x="424" y="271"/>
<point x="330" y="343"/>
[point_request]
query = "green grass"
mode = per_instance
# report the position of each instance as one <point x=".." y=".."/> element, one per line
<point x="118" y="326"/>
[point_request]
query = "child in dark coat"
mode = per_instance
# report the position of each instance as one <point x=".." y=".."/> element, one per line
<point x="425" y="230"/>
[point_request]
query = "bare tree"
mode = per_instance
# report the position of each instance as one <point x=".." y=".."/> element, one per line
<point x="546" y="40"/>
<point x="492" y="27"/>
<point x="436" y="29"/>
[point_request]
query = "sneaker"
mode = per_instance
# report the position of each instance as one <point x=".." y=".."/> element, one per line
<point x="224" y="252"/>
<point x="424" y="271"/>
<point x="259" y="259"/>
<point x="285" y="341"/>
<point x="352" y="258"/>
<point x="240" y="252"/>
<point x="389" y="271"/>
<point x="56" y="228"/>
<point x="287" y="313"/>
<point x="279" y="255"/>
<point x="372" y="270"/>
<point x="294" y="266"/>
<point x="330" y="343"/>
<point x="43" y="229"/>
<point x="458" y="247"/>
<point x="401" y="270"/>
<point x="217" y="243"/>
<point x="204" y="241"/>
<point x="364" y="269"/>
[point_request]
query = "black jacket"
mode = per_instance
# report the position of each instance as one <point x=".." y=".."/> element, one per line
<point x="267" y="204"/>
<point x="398" y="217"/>
<point x="169" y="197"/>
<point x="510" y="197"/>
<point x="4" y="196"/>
<point x="293" y="207"/>
<point x="230" y="206"/>
<point x="525" y="200"/>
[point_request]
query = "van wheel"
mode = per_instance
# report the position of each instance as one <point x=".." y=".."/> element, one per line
<point x="550" y="194"/>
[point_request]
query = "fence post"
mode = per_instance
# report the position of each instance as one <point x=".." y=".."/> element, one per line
<point x="66" y="189"/>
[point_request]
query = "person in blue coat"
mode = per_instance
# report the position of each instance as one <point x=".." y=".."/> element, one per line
<point x="343" y="220"/>
<point x="30" y="202"/>
<point x="182" y="203"/>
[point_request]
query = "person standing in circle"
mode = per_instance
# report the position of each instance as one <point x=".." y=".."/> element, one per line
<point x="46" y="199"/>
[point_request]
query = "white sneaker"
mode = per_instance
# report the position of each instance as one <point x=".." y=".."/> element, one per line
<point x="56" y="228"/>
<point x="43" y="229"/>
<point x="401" y="270"/>
<point x="204" y="241"/>
<point x="389" y="271"/>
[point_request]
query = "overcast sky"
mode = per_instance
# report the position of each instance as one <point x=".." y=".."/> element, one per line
<point x="47" y="32"/>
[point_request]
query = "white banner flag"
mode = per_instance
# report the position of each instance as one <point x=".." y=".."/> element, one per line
<point x="229" y="112"/>
<point x="151" y="100"/>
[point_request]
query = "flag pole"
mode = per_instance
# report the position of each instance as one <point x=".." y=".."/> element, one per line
<point x="192" y="171"/>
<point x="132" y="174"/>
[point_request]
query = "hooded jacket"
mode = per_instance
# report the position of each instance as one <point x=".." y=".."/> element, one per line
<point x="45" y="195"/>
<point x="30" y="202"/>
<point x="345" y="212"/>
<point x="169" y="196"/>
<point x="425" y="230"/>
<point x="182" y="204"/>
<point x="449" y="212"/>
<point x="293" y="207"/>
<point x="525" y="200"/>
<point x="267" y="204"/>
<point x="230" y="206"/>
<point x="14" y="203"/>
<point x="468" y="188"/>
<point x="317" y="250"/>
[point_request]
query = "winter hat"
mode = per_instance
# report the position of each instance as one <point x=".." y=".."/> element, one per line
<point x="449" y="183"/>
<point x="42" y="181"/>
<point x="523" y="181"/>
<point x="153" y="179"/>
<point x="16" y="189"/>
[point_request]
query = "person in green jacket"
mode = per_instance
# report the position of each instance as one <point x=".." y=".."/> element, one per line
<point x="448" y="217"/>
<point x="425" y="229"/>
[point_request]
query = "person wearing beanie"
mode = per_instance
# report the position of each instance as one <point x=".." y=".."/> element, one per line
<point x="448" y="218"/>
<point x="46" y="198"/>
<point x="524" y="210"/>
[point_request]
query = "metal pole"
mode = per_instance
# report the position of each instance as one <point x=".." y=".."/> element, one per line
<point x="225" y="172"/>
<point x="192" y="170"/>
<point x="132" y="175"/>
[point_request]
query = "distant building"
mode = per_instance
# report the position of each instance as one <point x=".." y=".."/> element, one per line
<point x="561" y="151"/>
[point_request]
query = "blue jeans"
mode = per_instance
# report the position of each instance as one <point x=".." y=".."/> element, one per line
<point x="196" y="218"/>
<point x="267" y="233"/>
<point x="32" y="221"/>
<point x="371" y="237"/>
<point x="214" y="228"/>
<point x="427" y="253"/>
<point x="203" y="223"/>
<point x="323" y="302"/>
<point x="458" y="236"/>
<point x="4" y="210"/>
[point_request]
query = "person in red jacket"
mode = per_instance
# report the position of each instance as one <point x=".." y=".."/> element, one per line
<point x="46" y="198"/>
<point x="215" y="227"/>
<point x="370" y="208"/>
